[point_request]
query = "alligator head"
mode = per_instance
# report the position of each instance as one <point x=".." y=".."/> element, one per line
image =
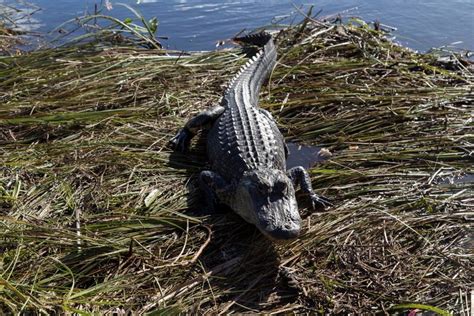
<point x="266" y="198"/>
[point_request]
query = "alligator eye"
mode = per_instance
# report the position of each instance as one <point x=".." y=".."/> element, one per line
<point x="280" y="187"/>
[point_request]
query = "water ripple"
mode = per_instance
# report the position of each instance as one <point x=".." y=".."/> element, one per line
<point x="421" y="24"/>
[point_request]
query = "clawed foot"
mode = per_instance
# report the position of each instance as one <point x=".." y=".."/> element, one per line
<point x="181" y="141"/>
<point x="317" y="200"/>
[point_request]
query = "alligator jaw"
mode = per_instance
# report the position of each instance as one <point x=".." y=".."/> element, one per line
<point x="269" y="220"/>
<point x="287" y="227"/>
<point x="266" y="198"/>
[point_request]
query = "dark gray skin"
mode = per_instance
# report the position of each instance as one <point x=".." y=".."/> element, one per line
<point x="248" y="154"/>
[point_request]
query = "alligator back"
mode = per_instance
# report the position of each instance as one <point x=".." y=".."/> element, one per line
<point x="245" y="137"/>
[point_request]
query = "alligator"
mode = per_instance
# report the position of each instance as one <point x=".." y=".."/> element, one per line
<point x="247" y="152"/>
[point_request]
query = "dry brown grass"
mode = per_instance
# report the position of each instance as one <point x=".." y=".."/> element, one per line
<point x="96" y="214"/>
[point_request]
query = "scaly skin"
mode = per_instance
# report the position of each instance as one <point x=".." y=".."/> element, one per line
<point x="248" y="153"/>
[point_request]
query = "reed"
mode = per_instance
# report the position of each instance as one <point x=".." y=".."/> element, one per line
<point x="98" y="216"/>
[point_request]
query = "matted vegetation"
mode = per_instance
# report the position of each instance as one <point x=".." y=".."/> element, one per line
<point x="14" y="18"/>
<point x="8" y="37"/>
<point x="98" y="216"/>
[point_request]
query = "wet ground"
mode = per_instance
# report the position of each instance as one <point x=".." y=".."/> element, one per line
<point x="303" y="155"/>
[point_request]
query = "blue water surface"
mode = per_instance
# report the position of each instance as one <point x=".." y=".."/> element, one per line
<point x="199" y="24"/>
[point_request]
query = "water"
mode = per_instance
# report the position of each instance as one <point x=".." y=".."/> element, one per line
<point x="303" y="155"/>
<point x="467" y="178"/>
<point x="199" y="24"/>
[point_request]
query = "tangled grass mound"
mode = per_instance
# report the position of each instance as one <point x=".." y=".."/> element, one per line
<point x="14" y="18"/>
<point x="9" y="38"/>
<point x="98" y="216"/>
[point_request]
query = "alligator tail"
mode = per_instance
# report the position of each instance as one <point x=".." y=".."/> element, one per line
<point x="258" y="39"/>
<point x="259" y="66"/>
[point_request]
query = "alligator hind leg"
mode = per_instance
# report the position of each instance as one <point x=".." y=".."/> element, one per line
<point x="213" y="186"/>
<point x="300" y="176"/>
<point x="203" y="120"/>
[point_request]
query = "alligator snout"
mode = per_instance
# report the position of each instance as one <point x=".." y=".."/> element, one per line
<point x="283" y="230"/>
<point x="284" y="233"/>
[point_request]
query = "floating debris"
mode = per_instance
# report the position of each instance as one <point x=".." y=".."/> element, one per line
<point x="325" y="153"/>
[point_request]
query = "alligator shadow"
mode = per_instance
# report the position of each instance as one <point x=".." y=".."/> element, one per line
<point x="192" y="163"/>
<point x="245" y="265"/>
<point x="242" y="262"/>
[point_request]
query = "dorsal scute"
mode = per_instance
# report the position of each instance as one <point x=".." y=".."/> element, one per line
<point x="260" y="39"/>
<point x="243" y="69"/>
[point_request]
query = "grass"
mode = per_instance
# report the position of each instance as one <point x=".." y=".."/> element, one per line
<point x="8" y="37"/>
<point x="97" y="213"/>
<point x="12" y="35"/>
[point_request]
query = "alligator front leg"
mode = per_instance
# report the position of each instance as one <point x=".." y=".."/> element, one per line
<point x="214" y="187"/>
<point x="203" y="120"/>
<point x="300" y="176"/>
